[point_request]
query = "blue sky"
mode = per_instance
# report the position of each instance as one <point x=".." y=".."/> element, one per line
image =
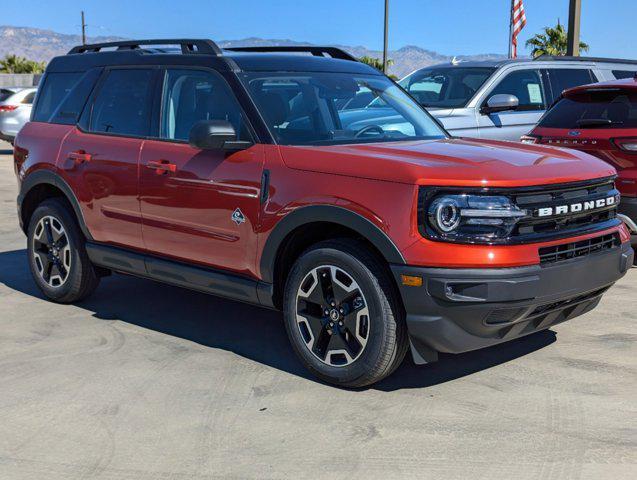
<point x="450" y="27"/>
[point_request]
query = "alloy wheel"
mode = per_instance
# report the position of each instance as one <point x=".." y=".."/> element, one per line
<point x="51" y="251"/>
<point x="332" y="316"/>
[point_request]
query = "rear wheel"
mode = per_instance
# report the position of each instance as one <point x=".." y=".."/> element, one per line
<point x="57" y="256"/>
<point x="342" y="314"/>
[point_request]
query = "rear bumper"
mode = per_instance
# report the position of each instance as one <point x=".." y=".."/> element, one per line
<point x="458" y="310"/>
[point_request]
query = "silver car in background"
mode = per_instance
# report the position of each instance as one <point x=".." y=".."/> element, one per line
<point x="504" y="99"/>
<point x="15" y="110"/>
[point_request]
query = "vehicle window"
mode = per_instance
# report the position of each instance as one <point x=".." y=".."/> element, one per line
<point x="71" y="106"/>
<point x="621" y="74"/>
<point x="564" y="78"/>
<point x="123" y="103"/>
<point x="191" y="96"/>
<point x="4" y="94"/>
<point x="55" y="87"/>
<point x="599" y="109"/>
<point x="527" y="86"/>
<point x="449" y="87"/>
<point x="28" y="100"/>
<point x="308" y="109"/>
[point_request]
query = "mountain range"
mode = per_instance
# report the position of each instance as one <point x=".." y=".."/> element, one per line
<point x="42" y="45"/>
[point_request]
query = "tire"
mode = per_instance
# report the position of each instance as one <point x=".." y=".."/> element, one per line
<point x="367" y="337"/>
<point x="57" y="254"/>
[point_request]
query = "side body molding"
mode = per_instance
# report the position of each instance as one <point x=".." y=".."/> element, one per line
<point x="47" y="177"/>
<point x="325" y="213"/>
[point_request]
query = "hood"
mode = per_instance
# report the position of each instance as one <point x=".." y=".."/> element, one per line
<point x="450" y="162"/>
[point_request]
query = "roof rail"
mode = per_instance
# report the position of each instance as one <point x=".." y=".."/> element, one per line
<point x="188" y="46"/>
<point x="314" y="50"/>
<point x="565" y="58"/>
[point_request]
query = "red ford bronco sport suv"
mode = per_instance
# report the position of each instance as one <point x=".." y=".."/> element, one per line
<point x="269" y="176"/>
<point x="600" y="119"/>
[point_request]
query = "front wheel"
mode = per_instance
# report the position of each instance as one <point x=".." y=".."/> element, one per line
<point x="342" y="314"/>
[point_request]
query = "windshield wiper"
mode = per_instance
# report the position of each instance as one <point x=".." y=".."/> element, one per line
<point x="595" y="122"/>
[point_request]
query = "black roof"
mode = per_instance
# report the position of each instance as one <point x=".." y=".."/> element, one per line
<point x="206" y="53"/>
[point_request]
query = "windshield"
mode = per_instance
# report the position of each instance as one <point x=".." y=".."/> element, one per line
<point x="599" y="109"/>
<point x="445" y="87"/>
<point x="331" y="108"/>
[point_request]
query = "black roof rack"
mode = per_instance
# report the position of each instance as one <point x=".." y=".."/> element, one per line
<point x="188" y="46"/>
<point x="314" y="50"/>
<point x="585" y="59"/>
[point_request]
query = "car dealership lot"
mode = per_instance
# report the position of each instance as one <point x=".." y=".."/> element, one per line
<point x="147" y="381"/>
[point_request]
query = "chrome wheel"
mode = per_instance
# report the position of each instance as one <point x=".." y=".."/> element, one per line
<point x="332" y="316"/>
<point x="51" y="251"/>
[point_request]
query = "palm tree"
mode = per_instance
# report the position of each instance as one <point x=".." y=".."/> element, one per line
<point x="15" y="64"/>
<point x="552" y="42"/>
<point x="377" y="63"/>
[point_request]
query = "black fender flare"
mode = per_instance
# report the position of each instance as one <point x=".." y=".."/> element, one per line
<point x="331" y="214"/>
<point x="47" y="177"/>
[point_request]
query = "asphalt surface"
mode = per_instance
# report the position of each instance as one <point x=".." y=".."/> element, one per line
<point x="145" y="381"/>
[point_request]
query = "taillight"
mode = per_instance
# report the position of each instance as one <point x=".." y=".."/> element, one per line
<point x="530" y="139"/>
<point x="8" y="108"/>
<point x="626" y="144"/>
<point x="19" y="157"/>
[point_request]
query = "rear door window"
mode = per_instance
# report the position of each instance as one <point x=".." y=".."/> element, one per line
<point x="55" y="88"/>
<point x="526" y="85"/>
<point x="123" y="104"/>
<point x="562" y="79"/>
<point x="599" y="109"/>
<point x="621" y="74"/>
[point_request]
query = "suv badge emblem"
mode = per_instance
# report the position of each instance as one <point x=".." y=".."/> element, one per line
<point x="238" y="217"/>
<point x="574" y="133"/>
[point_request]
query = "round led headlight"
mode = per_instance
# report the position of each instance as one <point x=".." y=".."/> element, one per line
<point x="446" y="213"/>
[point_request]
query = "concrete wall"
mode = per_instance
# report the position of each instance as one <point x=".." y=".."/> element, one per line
<point x="19" y="80"/>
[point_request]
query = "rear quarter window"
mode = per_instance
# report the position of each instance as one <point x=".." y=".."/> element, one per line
<point x="55" y="88"/>
<point x="600" y="109"/>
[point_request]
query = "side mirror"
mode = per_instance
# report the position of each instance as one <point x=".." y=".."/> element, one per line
<point x="215" y="135"/>
<point x="500" y="103"/>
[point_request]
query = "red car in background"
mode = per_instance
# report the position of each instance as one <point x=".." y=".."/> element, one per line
<point x="600" y="119"/>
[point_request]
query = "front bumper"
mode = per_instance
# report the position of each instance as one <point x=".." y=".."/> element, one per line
<point x="628" y="207"/>
<point x="458" y="310"/>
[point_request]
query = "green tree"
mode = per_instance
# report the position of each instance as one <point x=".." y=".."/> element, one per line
<point x="377" y="63"/>
<point x="15" y="64"/>
<point x="552" y="42"/>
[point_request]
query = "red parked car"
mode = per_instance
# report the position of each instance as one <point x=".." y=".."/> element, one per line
<point x="600" y="119"/>
<point x="246" y="174"/>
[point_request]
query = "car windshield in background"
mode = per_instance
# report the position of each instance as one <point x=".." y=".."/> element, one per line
<point x="445" y="87"/>
<point x="334" y="108"/>
<point x="600" y="109"/>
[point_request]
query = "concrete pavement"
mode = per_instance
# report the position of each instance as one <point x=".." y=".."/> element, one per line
<point x="146" y="381"/>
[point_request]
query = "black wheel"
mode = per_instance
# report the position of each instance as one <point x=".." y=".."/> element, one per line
<point x="343" y="316"/>
<point x="57" y="256"/>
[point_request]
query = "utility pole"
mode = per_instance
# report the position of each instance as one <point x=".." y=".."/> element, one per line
<point x="385" y="36"/>
<point x="83" y="29"/>
<point x="574" y="14"/>
<point x="511" y="31"/>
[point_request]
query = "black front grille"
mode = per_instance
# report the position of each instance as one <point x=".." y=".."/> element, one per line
<point x="536" y="227"/>
<point x="566" y="251"/>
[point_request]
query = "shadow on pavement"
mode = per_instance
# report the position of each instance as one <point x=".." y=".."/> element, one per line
<point x="254" y="333"/>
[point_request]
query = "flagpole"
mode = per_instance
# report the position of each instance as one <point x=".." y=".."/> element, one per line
<point x="511" y="30"/>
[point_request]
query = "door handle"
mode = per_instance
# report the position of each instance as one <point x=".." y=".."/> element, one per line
<point x="80" y="156"/>
<point x="162" y="167"/>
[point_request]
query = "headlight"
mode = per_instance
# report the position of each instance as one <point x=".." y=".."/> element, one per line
<point x="468" y="218"/>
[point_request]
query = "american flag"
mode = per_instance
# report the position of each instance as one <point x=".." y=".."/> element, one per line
<point x="518" y="20"/>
